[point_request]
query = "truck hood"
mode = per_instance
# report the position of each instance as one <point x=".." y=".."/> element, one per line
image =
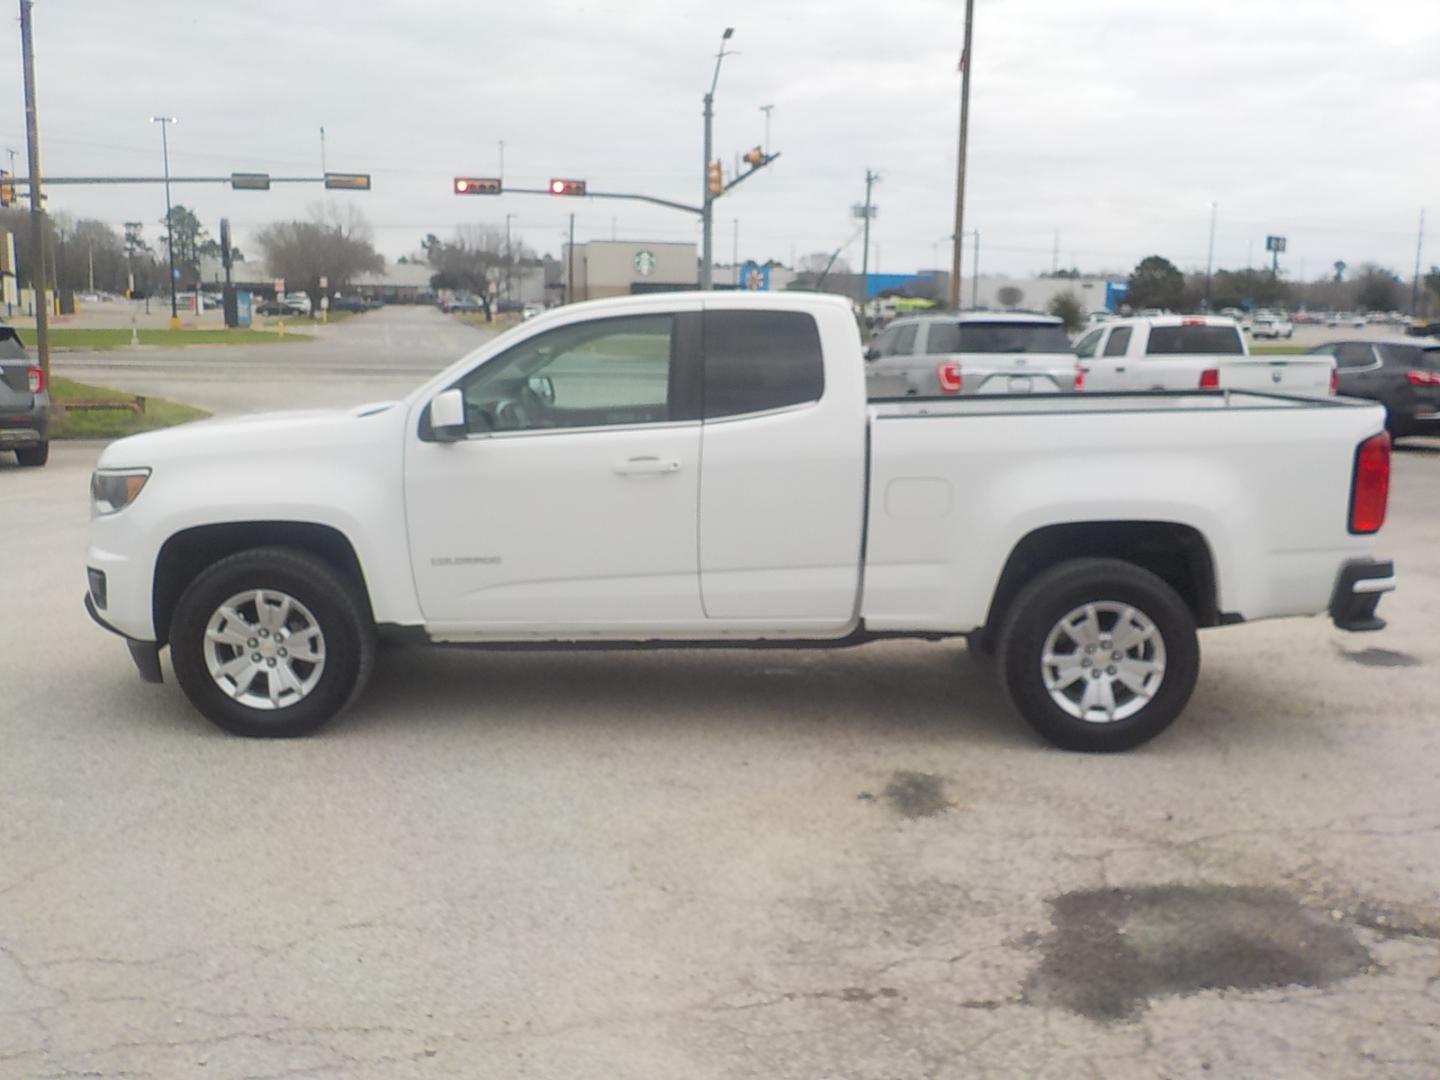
<point x="300" y="430"/>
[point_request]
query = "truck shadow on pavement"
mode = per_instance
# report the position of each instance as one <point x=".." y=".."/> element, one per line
<point x="912" y="688"/>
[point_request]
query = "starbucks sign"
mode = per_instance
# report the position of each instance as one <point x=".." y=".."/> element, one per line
<point x="644" y="263"/>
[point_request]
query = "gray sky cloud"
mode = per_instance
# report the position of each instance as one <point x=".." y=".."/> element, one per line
<point x="1115" y="123"/>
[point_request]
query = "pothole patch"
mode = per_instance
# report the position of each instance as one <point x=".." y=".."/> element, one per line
<point x="1381" y="658"/>
<point x="916" y="795"/>
<point x="1113" y="950"/>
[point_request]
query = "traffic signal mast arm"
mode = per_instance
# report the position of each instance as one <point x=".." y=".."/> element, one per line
<point x="756" y="166"/>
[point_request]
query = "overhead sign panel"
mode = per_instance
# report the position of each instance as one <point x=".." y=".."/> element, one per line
<point x="250" y="181"/>
<point x="343" y="181"/>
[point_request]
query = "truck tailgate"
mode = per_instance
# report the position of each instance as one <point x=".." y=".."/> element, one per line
<point x="1309" y="375"/>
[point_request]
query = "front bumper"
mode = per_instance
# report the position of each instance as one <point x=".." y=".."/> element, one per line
<point x="146" y="654"/>
<point x="1358" y="589"/>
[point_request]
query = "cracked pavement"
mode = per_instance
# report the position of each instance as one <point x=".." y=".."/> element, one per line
<point x="846" y="865"/>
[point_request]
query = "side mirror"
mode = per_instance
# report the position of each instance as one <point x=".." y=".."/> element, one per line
<point x="447" y="416"/>
<point x="543" y="387"/>
<point x="872" y="353"/>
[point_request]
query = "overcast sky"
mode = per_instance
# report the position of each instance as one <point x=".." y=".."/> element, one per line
<point x="1114" y="122"/>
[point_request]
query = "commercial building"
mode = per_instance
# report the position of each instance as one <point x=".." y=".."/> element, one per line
<point x="601" y="268"/>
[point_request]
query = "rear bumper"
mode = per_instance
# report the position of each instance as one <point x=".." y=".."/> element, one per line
<point x="1358" y="590"/>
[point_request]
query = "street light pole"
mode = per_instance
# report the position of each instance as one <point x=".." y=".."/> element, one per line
<point x="767" y="109"/>
<point x="966" y="66"/>
<point x="1210" y="257"/>
<point x="165" y="122"/>
<point x="37" y="202"/>
<point x="706" y="212"/>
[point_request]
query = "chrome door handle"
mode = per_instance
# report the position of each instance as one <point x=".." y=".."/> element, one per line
<point x="646" y="466"/>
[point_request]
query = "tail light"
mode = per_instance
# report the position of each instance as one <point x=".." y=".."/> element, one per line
<point x="1210" y="379"/>
<point x="1079" y="378"/>
<point x="1370" y="486"/>
<point x="950" y="377"/>
<point x="1334" y="380"/>
<point x="1423" y="378"/>
<point x="37" y="380"/>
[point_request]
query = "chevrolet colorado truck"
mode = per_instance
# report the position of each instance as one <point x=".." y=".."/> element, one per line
<point x="705" y="469"/>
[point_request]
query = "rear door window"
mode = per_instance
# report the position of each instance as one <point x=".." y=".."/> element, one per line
<point x="1119" y="341"/>
<point x="904" y="343"/>
<point x="1354" y="354"/>
<point x="1194" y="340"/>
<point x="761" y="360"/>
<point x="1085" y="347"/>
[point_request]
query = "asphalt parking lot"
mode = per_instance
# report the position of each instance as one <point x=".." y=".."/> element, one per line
<point x="850" y="864"/>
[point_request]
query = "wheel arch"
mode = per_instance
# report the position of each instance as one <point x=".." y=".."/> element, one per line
<point x="183" y="556"/>
<point x="1178" y="554"/>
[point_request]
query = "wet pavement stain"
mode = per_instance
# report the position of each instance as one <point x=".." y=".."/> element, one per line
<point x="916" y="795"/>
<point x="1115" y="949"/>
<point x="1381" y="658"/>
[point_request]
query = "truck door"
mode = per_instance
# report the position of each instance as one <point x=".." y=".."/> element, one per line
<point x="782" y="483"/>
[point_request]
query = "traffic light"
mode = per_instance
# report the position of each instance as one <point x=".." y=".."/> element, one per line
<point x="715" y="178"/>
<point x="567" y="187"/>
<point x="477" y="185"/>
<point x="755" y="158"/>
<point x="7" y="188"/>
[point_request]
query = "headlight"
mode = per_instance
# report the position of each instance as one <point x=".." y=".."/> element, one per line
<point x="115" y="489"/>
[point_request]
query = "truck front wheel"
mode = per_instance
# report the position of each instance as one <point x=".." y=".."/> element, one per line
<point x="1098" y="654"/>
<point x="271" y="642"/>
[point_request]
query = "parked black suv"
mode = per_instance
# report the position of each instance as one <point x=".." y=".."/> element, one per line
<point x="1402" y="376"/>
<point x="24" y="402"/>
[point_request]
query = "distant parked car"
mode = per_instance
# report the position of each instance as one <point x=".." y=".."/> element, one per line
<point x="971" y="353"/>
<point x="349" y="303"/>
<point x="1346" y="318"/>
<point x="1424" y="328"/>
<point x="300" y="301"/>
<point x="24" y="402"/>
<point x="531" y="310"/>
<point x="463" y="305"/>
<point x="1404" y="376"/>
<point x="1272" y="326"/>
<point x="276" y="307"/>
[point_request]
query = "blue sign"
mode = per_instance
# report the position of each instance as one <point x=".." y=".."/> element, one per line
<point x="242" y="307"/>
<point x="175" y="274"/>
<point x="1115" y="293"/>
<point x="755" y="278"/>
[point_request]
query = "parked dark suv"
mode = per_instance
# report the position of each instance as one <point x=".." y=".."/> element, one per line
<point x="24" y="402"/>
<point x="1403" y="376"/>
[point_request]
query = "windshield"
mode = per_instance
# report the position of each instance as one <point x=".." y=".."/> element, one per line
<point x="1191" y="340"/>
<point x="997" y="337"/>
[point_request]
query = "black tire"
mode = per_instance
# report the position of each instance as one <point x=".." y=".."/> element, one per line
<point x="34" y="456"/>
<point x="338" y="610"/>
<point x="1050" y="597"/>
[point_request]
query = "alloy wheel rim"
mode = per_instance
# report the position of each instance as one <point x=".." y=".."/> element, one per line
<point x="264" y="649"/>
<point x="1103" y="662"/>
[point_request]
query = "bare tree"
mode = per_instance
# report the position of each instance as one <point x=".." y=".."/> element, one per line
<point x="331" y="245"/>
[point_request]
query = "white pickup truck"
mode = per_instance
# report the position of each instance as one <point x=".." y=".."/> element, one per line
<point x="703" y="469"/>
<point x="1189" y="352"/>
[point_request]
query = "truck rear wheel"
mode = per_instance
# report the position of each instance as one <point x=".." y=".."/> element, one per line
<point x="34" y="456"/>
<point x="1098" y="654"/>
<point x="271" y="643"/>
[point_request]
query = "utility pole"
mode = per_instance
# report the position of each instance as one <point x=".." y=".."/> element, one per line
<point x="735" y="252"/>
<point x="967" y="65"/>
<point x="867" y="212"/>
<point x="570" y="267"/>
<point x="1210" y="258"/>
<point x="165" y="122"/>
<point x="766" y="109"/>
<point x="975" y="273"/>
<point x="1055" y="254"/>
<point x="509" y="261"/>
<point x="37" y="203"/>
<point x="323" y="168"/>
<point x="1415" y="285"/>
<point x="502" y="160"/>
<point x="706" y="211"/>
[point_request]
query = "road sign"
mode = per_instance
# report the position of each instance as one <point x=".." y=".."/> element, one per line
<point x="755" y="278"/>
<point x="249" y="181"/>
<point x="644" y="263"/>
<point x="1274" y="243"/>
<point x="279" y="287"/>
<point x="324" y="282"/>
<point x="341" y="181"/>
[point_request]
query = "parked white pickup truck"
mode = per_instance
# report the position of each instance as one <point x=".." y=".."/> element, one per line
<point x="1189" y="352"/>
<point x="688" y="469"/>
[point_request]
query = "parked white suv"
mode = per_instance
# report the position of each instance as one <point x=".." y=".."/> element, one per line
<point x="1272" y="326"/>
